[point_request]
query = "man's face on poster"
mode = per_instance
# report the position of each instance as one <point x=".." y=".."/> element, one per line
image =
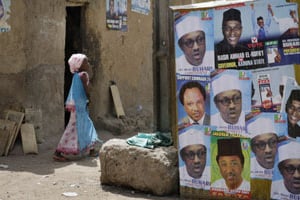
<point x="194" y="46"/>
<point x="194" y="103"/>
<point x="260" y="22"/>
<point x="293" y="111"/>
<point x="194" y="157"/>
<point x="229" y="103"/>
<point x="232" y="31"/>
<point x="264" y="147"/>
<point x="290" y="170"/>
<point x="231" y="169"/>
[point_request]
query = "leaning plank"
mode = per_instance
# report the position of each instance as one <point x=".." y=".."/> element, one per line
<point x="18" y="118"/>
<point x="6" y="129"/>
<point x="117" y="100"/>
<point x="28" y="136"/>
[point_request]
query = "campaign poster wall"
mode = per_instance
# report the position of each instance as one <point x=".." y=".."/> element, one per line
<point x="215" y="44"/>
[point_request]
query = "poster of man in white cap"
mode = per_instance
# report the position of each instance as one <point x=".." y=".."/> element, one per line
<point x="230" y="99"/>
<point x="286" y="179"/>
<point x="194" y="40"/>
<point x="194" y="161"/>
<point x="264" y="129"/>
<point x="230" y="166"/>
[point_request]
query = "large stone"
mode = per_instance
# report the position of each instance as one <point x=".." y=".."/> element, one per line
<point x="149" y="170"/>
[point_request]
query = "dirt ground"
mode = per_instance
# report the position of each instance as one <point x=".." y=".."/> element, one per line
<point x="38" y="177"/>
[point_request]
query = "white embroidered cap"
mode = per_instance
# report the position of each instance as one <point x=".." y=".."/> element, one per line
<point x="289" y="151"/>
<point x="224" y="83"/>
<point x="189" y="24"/>
<point x="190" y="137"/>
<point x="260" y="126"/>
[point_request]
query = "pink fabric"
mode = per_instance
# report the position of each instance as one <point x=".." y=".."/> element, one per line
<point x="75" y="62"/>
<point x="68" y="143"/>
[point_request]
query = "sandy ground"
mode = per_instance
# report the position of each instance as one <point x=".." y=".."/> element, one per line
<point x="38" y="177"/>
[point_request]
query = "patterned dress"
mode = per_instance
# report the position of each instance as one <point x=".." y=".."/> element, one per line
<point x="80" y="135"/>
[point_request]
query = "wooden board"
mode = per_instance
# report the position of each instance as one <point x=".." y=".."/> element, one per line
<point x="117" y="100"/>
<point x="9" y="128"/>
<point x="4" y="136"/>
<point x="17" y="117"/>
<point x="28" y="137"/>
<point x="34" y="116"/>
<point x="6" y="129"/>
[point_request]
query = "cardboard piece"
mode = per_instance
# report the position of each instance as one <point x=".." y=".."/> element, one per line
<point x="7" y="128"/>
<point x="34" y="116"/>
<point x="117" y="100"/>
<point x="28" y="137"/>
<point x="17" y="117"/>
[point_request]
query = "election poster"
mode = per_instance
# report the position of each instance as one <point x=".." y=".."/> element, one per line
<point x="270" y="37"/>
<point x="141" y="6"/>
<point x="194" y="47"/>
<point x="230" y="99"/>
<point x="230" y="165"/>
<point x="267" y="87"/>
<point x="285" y="182"/>
<point x="264" y="130"/>
<point x="4" y="15"/>
<point x="116" y="15"/>
<point x="194" y="157"/>
<point x="291" y="106"/>
<point x="193" y="104"/>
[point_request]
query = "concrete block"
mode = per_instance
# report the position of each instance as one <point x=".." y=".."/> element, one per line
<point x="149" y="170"/>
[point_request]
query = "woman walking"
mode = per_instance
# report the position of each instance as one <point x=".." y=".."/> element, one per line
<point x="80" y="137"/>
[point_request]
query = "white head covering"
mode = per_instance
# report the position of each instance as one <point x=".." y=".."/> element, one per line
<point x="224" y="83"/>
<point x="75" y="61"/>
<point x="260" y="126"/>
<point x="190" y="137"/>
<point x="289" y="151"/>
<point x="188" y="24"/>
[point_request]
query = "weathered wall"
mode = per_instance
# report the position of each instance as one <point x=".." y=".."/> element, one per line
<point x="32" y="63"/>
<point x="32" y="60"/>
<point x="123" y="57"/>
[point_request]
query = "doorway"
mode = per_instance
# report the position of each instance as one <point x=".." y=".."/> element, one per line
<point x="73" y="44"/>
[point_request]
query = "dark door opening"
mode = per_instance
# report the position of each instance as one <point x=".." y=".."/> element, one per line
<point x="73" y="44"/>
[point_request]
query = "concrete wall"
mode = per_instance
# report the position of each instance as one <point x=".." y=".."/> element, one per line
<point x="123" y="57"/>
<point x="32" y="63"/>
